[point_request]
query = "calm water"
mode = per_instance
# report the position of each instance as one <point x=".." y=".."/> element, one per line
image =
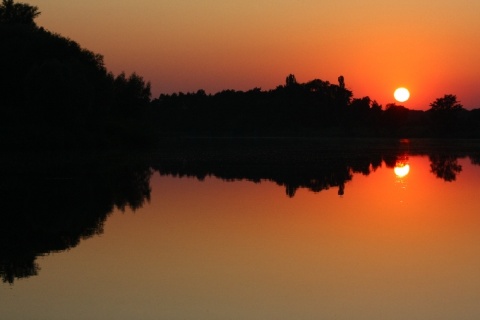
<point x="388" y="234"/>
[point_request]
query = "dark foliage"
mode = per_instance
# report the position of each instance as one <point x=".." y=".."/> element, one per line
<point x="56" y="93"/>
<point x="18" y="13"/>
<point x="316" y="108"/>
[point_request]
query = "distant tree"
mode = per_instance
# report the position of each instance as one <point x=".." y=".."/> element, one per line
<point x="201" y="93"/>
<point x="290" y="80"/>
<point x="448" y="102"/>
<point x="376" y="106"/>
<point x="317" y="85"/>
<point x="20" y="13"/>
<point x="341" y="82"/>
<point x="343" y="95"/>
<point x="360" y="105"/>
<point x="446" y="115"/>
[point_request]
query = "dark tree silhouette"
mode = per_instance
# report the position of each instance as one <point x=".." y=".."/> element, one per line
<point x="55" y="93"/>
<point x="341" y="82"/>
<point x="447" y="116"/>
<point x="448" y="102"/>
<point x="21" y="13"/>
<point x="131" y="94"/>
<point x="445" y="166"/>
<point x="290" y="80"/>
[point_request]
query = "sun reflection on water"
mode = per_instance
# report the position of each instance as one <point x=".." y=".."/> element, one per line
<point x="401" y="170"/>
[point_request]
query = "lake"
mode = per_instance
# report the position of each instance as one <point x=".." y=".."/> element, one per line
<point x="250" y="229"/>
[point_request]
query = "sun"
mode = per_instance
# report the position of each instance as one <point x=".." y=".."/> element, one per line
<point x="401" y="94"/>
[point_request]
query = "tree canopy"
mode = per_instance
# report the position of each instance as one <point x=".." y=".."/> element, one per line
<point x="21" y="13"/>
<point x="54" y="91"/>
<point x="448" y="102"/>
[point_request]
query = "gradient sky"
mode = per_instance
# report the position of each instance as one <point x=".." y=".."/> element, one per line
<point x="430" y="47"/>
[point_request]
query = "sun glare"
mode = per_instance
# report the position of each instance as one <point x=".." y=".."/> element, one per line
<point x="401" y="94"/>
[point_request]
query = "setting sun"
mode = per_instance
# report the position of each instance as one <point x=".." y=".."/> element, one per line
<point x="401" y="94"/>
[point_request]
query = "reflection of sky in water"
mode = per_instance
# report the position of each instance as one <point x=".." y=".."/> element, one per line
<point x="216" y="250"/>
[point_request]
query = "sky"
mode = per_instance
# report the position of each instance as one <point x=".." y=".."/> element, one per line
<point x="431" y="47"/>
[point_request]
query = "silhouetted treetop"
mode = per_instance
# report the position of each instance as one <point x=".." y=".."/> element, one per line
<point x="341" y="82"/>
<point x="131" y="93"/>
<point x="290" y="80"/>
<point x="21" y="13"/>
<point x="448" y="102"/>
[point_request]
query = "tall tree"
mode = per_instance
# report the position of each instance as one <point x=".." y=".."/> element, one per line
<point x="290" y="81"/>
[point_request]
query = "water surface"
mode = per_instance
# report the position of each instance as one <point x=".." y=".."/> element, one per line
<point x="373" y="245"/>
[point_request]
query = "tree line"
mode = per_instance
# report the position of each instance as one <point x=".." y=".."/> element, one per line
<point x="314" y="108"/>
<point x="54" y="92"/>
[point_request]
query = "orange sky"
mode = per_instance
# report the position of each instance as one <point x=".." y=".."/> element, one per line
<point x="430" y="47"/>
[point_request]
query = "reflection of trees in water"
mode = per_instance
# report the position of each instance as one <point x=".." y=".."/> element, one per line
<point x="475" y="158"/>
<point x="54" y="210"/>
<point x="445" y="166"/>
<point x="57" y="206"/>
<point x="314" y="166"/>
<point x="337" y="173"/>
